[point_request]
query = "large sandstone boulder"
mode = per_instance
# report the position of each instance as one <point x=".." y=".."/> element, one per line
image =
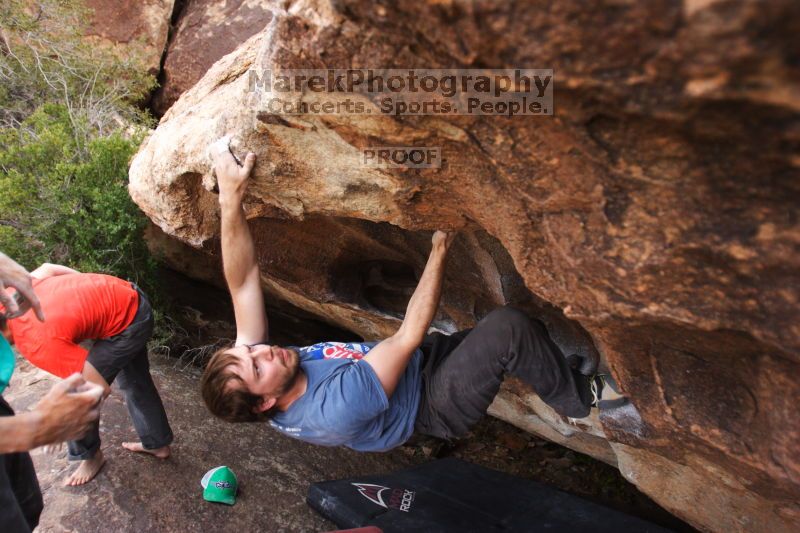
<point x="652" y="218"/>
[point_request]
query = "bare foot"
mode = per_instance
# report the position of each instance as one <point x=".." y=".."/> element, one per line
<point x="86" y="470"/>
<point x="161" y="453"/>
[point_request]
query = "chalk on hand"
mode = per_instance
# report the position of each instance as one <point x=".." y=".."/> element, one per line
<point x="220" y="146"/>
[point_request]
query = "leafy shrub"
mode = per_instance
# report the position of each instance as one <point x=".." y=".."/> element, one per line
<point x="45" y="58"/>
<point x="66" y="205"/>
<point x="69" y="125"/>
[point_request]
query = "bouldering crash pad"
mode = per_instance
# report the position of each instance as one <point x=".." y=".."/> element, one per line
<point x="450" y="495"/>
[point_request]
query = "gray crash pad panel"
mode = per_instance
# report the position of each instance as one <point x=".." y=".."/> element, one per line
<point x="450" y="495"/>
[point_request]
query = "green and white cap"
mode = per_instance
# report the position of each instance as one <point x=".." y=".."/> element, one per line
<point x="220" y="485"/>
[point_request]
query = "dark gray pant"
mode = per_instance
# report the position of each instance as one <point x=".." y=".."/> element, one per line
<point x="124" y="356"/>
<point x="20" y="497"/>
<point x="462" y="372"/>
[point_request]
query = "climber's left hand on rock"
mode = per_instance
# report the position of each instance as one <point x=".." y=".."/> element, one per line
<point x="231" y="177"/>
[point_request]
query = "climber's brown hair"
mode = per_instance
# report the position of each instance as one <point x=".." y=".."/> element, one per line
<point x="225" y="394"/>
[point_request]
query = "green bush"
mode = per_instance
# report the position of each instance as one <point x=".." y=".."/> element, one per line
<point x="63" y="204"/>
<point x="69" y="125"/>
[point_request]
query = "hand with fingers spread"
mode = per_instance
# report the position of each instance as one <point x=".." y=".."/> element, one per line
<point x="13" y="275"/>
<point x="231" y="175"/>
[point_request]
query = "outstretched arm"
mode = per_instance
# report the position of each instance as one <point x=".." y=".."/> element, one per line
<point x="49" y="269"/>
<point x="238" y="250"/>
<point x="390" y="358"/>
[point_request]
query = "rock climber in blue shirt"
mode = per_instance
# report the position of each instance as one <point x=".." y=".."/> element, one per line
<point x="372" y="396"/>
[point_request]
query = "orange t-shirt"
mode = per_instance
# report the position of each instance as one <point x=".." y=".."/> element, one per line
<point x="77" y="307"/>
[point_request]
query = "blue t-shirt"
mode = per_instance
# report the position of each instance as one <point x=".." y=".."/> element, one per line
<point x="344" y="403"/>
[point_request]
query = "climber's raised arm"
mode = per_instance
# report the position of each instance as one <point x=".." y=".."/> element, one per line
<point x="390" y="357"/>
<point x="238" y="250"/>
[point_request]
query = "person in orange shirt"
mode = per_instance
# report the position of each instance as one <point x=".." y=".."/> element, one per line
<point x="67" y="411"/>
<point x="117" y="316"/>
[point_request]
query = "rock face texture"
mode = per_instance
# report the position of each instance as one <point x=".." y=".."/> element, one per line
<point x="205" y="31"/>
<point x="653" y="218"/>
<point x="141" y="23"/>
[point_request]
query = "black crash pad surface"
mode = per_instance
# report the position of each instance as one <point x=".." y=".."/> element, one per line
<point x="450" y="495"/>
